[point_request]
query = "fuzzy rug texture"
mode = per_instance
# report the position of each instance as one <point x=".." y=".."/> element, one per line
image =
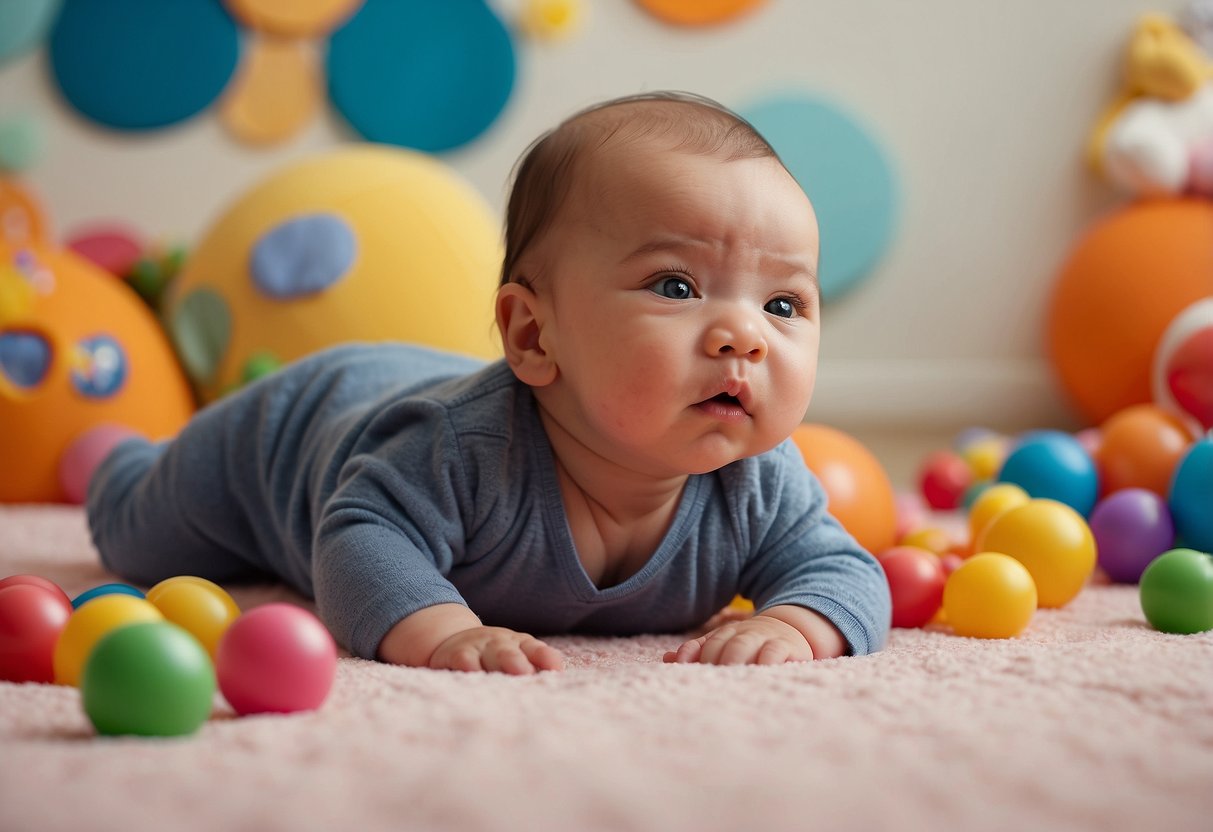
<point x="1088" y="721"/>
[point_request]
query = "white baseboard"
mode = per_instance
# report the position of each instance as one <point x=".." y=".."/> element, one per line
<point x="939" y="395"/>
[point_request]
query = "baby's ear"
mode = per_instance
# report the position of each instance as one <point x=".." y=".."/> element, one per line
<point x="521" y="317"/>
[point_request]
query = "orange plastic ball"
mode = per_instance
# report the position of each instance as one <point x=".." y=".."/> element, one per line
<point x="1140" y="449"/>
<point x="860" y="494"/>
<point x="1121" y="286"/>
<point x="1051" y="540"/>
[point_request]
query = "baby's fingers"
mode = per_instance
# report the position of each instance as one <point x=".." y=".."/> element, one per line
<point x="542" y="656"/>
<point x="687" y="653"/>
<point x="506" y="657"/>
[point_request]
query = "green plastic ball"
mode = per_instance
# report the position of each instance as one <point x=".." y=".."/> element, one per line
<point x="150" y="679"/>
<point x="1177" y="592"/>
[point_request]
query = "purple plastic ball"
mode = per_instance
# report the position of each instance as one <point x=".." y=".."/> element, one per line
<point x="1131" y="527"/>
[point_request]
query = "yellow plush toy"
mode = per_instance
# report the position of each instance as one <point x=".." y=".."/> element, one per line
<point x="1157" y="138"/>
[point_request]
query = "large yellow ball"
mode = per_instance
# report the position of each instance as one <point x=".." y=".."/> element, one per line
<point x="365" y="243"/>
<point x="201" y="607"/>
<point x="1052" y="540"/>
<point x="88" y="624"/>
<point x="990" y="595"/>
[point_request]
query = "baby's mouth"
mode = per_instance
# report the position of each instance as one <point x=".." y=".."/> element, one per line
<point x="725" y="398"/>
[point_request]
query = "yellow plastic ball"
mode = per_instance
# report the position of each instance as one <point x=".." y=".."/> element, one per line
<point x="88" y="624"/>
<point x="551" y="19"/>
<point x="201" y="607"/>
<point x="990" y="595"/>
<point x="994" y="501"/>
<point x="1052" y="540"/>
<point x="931" y="538"/>
<point x="985" y="457"/>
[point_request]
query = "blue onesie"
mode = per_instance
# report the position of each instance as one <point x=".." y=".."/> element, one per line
<point x="382" y="479"/>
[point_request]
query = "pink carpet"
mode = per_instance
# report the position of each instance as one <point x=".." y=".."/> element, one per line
<point x="1090" y="720"/>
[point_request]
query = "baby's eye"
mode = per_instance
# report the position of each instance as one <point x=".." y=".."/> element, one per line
<point x="783" y="307"/>
<point x="673" y="287"/>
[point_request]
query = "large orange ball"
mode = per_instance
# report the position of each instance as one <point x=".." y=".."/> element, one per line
<point x="78" y="350"/>
<point x="1123" y="283"/>
<point x="860" y="494"/>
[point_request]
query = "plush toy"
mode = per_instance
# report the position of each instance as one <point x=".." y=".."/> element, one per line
<point x="1157" y="138"/>
<point x="366" y="243"/>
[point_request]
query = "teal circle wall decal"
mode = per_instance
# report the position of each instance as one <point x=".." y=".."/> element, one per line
<point x="847" y="175"/>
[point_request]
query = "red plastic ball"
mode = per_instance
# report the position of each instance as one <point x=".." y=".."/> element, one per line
<point x="943" y="478"/>
<point x="31" y="619"/>
<point x="37" y="580"/>
<point x="916" y="581"/>
<point x="276" y="658"/>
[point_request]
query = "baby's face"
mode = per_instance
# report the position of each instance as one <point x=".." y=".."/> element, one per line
<point x="684" y="299"/>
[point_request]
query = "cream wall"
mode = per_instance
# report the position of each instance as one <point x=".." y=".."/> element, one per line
<point x="984" y="106"/>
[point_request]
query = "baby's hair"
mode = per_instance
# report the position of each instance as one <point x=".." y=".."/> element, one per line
<point x="544" y="173"/>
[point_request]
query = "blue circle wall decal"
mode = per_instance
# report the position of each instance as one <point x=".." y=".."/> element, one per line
<point x="846" y="174"/>
<point x="422" y="74"/>
<point x="143" y="64"/>
<point x="23" y="23"/>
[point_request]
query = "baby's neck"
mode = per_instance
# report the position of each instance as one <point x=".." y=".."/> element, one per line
<point x="617" y="516"/>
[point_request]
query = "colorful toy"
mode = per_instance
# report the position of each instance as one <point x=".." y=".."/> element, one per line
<point x="363" y="243"/>
<point x="276" y="658"/>
<point x="105" y="589"/>
<point x="1191" y="496"/>
<point x="551" y="20"/>
<point x="1177" y="592"/>
<point x="78" y="351"/>
<point x="860" y="494"/>
<point x="1141" y="446"/>
<point x="932" y="538"/>
<point x="993" y="502"/>
<point x="916" y="579"/>
<point x="985" y="456"/>
<point x="37" y="580"/>
<point x="149" y="679"/>
<point x="1052" y="465"/>
<point x="990" y="595"/>
<point x="1182" y="372"/>
<point x="1131" y="527"/>
<point x="943" y="478"/>
<point x="1100" y="346"/>
<point x="199" y="606"/>
<point x="31" y="619"/>
<point x="1145" y="143"/>
<point x="1051" y="540"/>
<point x="88" y="624"/>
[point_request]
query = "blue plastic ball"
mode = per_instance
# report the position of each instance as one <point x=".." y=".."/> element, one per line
<point x="105" y="589"/>
<point x="1052" y="465"/>
<point x="1191" y="497"/>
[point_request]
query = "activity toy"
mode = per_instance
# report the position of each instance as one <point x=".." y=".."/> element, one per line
<point x="149" y="679"/>
<point x="1141" y="446"/>
<point x="112" y="247"/>
<point x="79" y="352"/>
<point x="202" y="608"/>
<point x="859" y="493"/>
<point x="1049" y="538"/>
<point x="1131" y="527"/>
<point x="1191" y="496"/>
<point x="943" y="478"/>
<point x="31" y="619"/>
<point x="1102" y="347"/>
<point x="916" y="580"/>
<point x="88" y="624"/>
<point x="990" y="595"/>
<point x="1051" y="464"/>
<point x="105" y="589"/>
<point x="276" y="658"/>
<point x="363" y="243"/>
<point x="1177" y="592"/>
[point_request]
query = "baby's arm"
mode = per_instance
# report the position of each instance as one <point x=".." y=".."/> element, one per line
<point x="785" y="633"/>
<point x="451" y="637"/>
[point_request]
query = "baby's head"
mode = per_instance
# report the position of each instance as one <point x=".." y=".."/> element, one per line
<point x="659" y="289"/>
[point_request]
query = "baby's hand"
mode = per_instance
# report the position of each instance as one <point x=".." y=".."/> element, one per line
<point x="757" y="640"/>
<point x="495" y="649"/>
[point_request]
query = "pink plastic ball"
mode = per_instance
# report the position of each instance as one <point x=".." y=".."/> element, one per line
<point x="276" y="658"/>
<point x="81" y="458"/>
<point x="943" y="478"/>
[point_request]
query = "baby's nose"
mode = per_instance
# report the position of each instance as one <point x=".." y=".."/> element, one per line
<point x="739" y="337"/>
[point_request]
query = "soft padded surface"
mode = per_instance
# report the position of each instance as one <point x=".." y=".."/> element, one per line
<point x="1090" y="721"/>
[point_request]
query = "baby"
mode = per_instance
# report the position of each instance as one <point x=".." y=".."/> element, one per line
<point x="624" y="469"/>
